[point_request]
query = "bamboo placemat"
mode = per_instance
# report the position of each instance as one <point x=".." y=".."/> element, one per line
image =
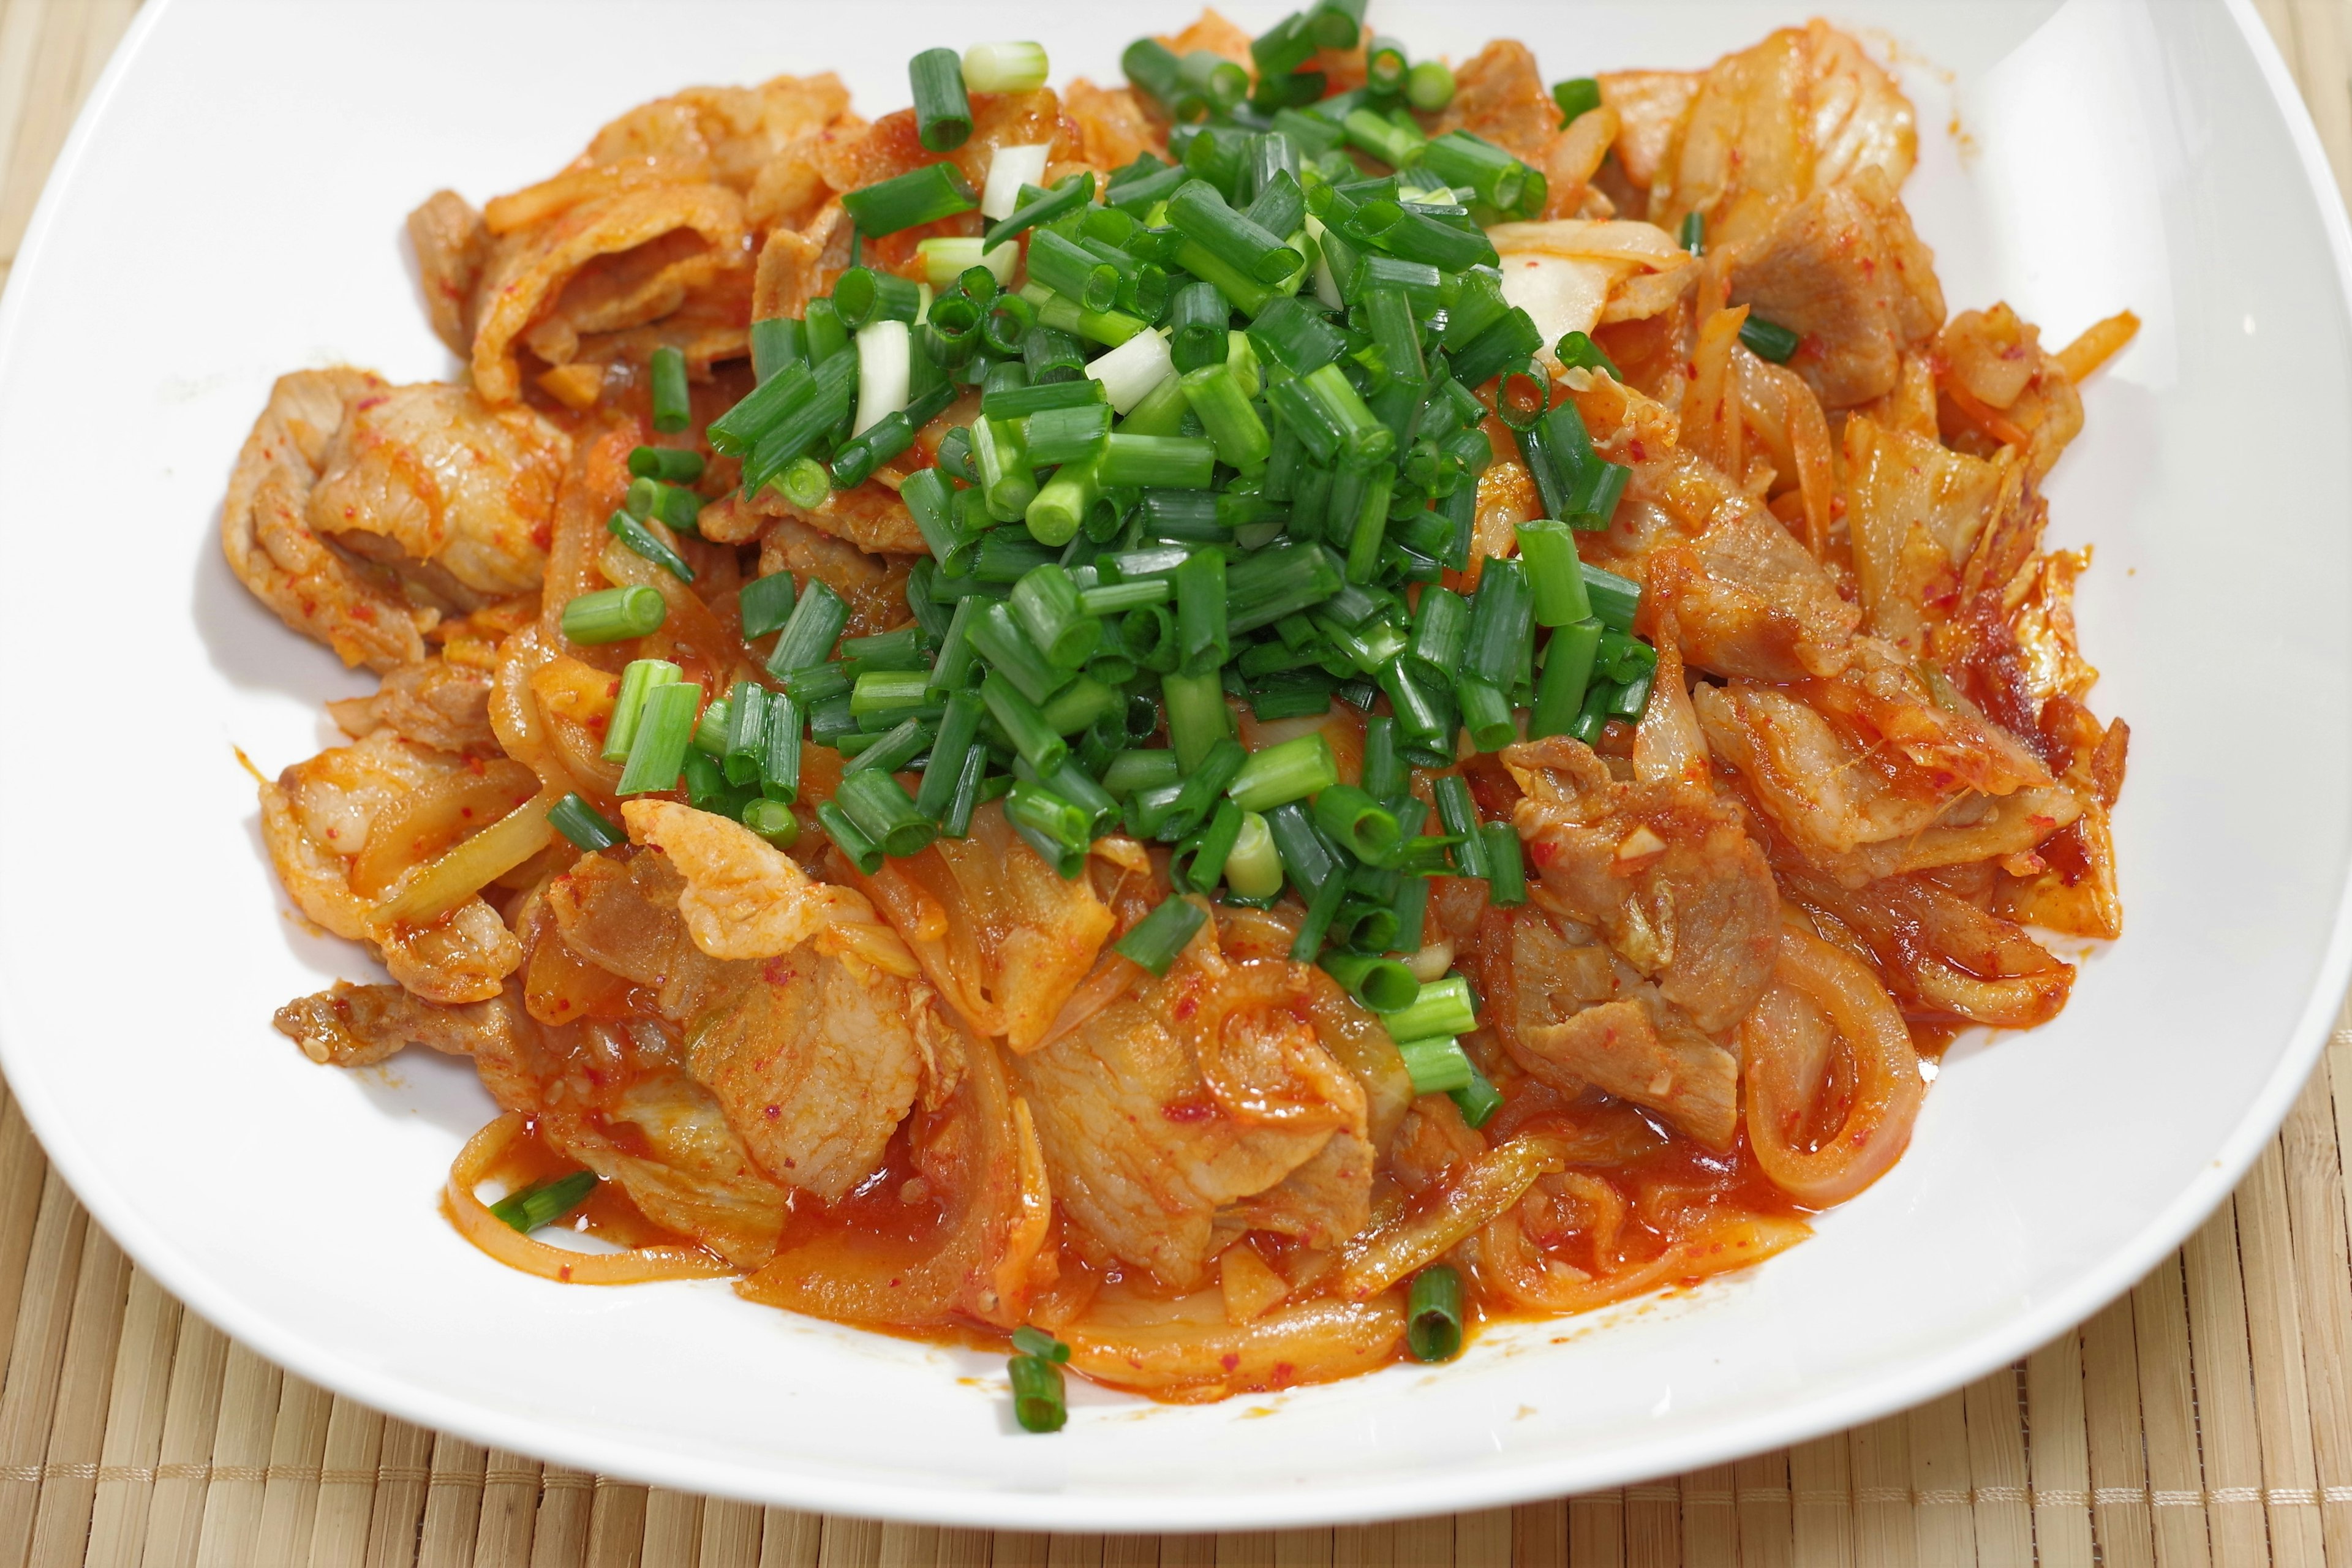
<point x="2204" y="1419"/>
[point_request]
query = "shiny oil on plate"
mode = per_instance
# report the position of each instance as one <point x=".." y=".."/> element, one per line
<point x="230" y="208"/>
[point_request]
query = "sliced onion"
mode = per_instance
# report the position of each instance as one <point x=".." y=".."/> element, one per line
<point x="492" y="1235"/>
<point x="440" y="886"/>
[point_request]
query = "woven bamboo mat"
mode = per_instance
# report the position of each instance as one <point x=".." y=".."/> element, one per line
<point x="2205" y="1419"/>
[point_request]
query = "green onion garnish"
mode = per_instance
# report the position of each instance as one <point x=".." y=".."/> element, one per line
<point x="1429" y="86"/>
<point x="1162" y="935"/>
<point x="923" y="195"/>
<point x="673" y="407"/>
<point x="1694" y="233"/>
<point x="1768" y="340"/>
<point x="646" y="543"/>
<point x="637" y="678"/>
<point x="943" y="112"/>
<point x="583" y="824"/>
<point x="1004" y="67"/>
<point x="1577" y="95"/>
<point x="773" y="821"/>
<point x="1443" y="1008"/>
<point x="613" y="615"/>
<point x="673" y="464"/>
<point x="1433" y="1329"/>
<point x="545" y="1203"/>
<point x="664" y="728"/>
<point x="1039" y="1401"/>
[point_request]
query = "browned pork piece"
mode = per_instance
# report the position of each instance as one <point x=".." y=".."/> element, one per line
<point x="363" y="512"/>
<point x="1666" y="873"/>
<point x="345" y="827"/>
<point x="1204" y="1093"/>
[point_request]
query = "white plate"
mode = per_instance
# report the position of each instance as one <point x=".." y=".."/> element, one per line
<point x="230" y="207"/>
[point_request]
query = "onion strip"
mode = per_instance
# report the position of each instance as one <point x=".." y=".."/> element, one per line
<point x="440" y="885"/>
<point x="492" y="1235"/>
<point x="1886" y="1087"/>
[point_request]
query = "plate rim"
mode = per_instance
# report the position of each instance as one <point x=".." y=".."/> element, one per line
<point x="1510" y="1480"/>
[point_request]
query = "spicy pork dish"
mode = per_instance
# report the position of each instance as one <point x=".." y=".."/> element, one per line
<point x="1219" y="726"/>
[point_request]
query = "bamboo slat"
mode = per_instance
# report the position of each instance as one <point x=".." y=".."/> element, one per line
<point x="2204" y="1419"/>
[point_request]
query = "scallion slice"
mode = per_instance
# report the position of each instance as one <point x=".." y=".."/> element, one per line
<point x="1161" y="935"/>
<point x="1433" y="1324"/>
<point x="922" y="195"/>
<point x="587" y="828"/>
<point x="943" y="112"/>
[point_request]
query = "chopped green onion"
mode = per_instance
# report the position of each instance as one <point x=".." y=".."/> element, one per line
<point x="1383" y="985"/>
<point x="849" y="838"/>
<point x="1069" y="268"/>
<point x="658" y="751"/>
<point x="1567" y="670"/>
<point x="613" y="615"/>
<point x="880" y="809"/>
<point x="1436" y="1066"/>
<point x="1205" y="218"/>
<point x="1432" y="1327"/>
<point x="1039" y="1401"/>
<point x="1429" y="86"/>
<point x="773" y="821"/>
<point x="1060" y="823"/>
<point x="1068" y="195"/>
<point x="644" y="541"/>
<point x="1506" y="877"/>
<point x="1502" y="616"/>
<point x="1292" y="771"/>
<point x="1056" y="435"/>
<point x="780" y="749"/>
<point x="1034" y="739"/>
<point x="1768" y="340"/>
<point x="1615" y="600"/>
<point x="1161" y="935"/>
<point x="673" y="406"/>
<point x="546" y="1202"/>
<point x="1459" y="814"/>
<point x="583" y="824"/>
<point x="1224" y="409"/>
<point x="1554" y="575"/>
<point x="1577" y="97"/>
<point x="1004" y="67"/>
<point x="1694" y="233"/>
<point x="765" y="603"/>
<point x="1254" y="869"/>
<point x="1361" y="825"/>
<point x="638" y="678"/>
<point x="673" y="464"/>
<point x="923" y="195"/>
<point x="1576" y="349"/>
<point x="1038" y="1342"/>
<point x="809" y="635"/>
<point x="1204" y="641"/>
<point x="1045" y="601"/>
<point x="1336" y="24"/>
<point x="943" y="112"/>
<point x="997" y="636"/>
<point x="1176" y="462"/>
<point x="1196" y="717"/>
<point x="778" y="342"/>
<point x="1443" y="1008"/>
<point x="1478" y="1100"/>
<point x="1132" y="771"/>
